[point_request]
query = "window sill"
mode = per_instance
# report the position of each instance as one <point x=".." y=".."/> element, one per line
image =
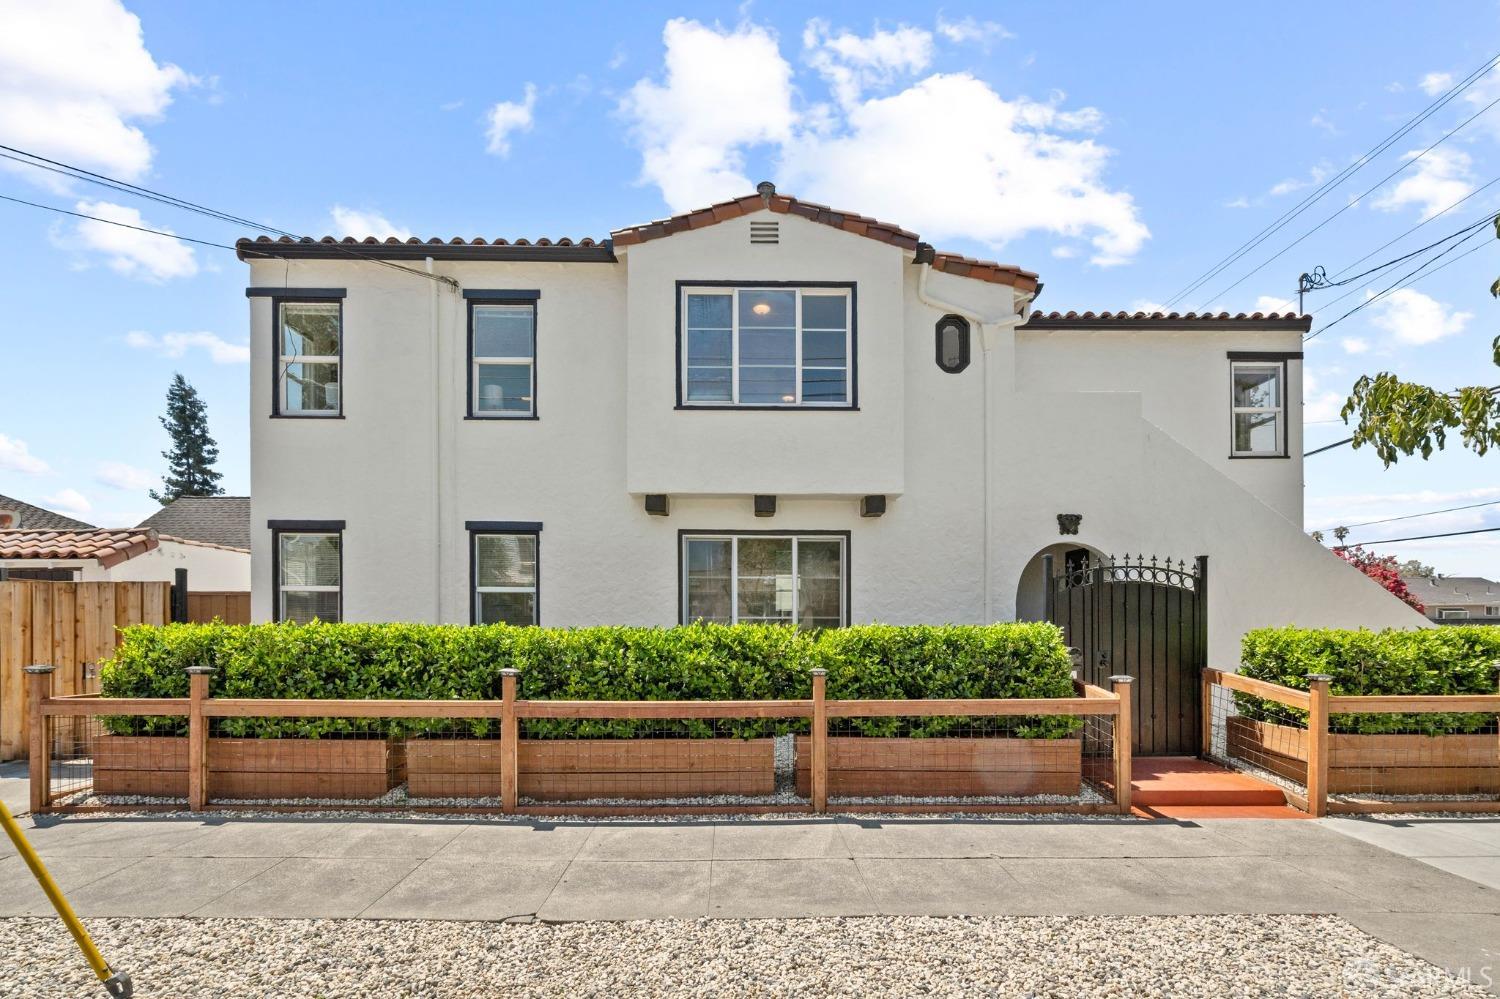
<point x="307" y="416"/>
<point x="1258" y="457"/>
<point x="502" y="419"/>
<point x="767" y="409"/>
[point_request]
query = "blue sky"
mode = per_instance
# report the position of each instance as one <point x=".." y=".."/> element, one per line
<point x="1118" y="150"/>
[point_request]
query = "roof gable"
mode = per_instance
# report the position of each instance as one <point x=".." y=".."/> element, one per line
<point x="37" y="518"/>
<point x="216" y="520"/>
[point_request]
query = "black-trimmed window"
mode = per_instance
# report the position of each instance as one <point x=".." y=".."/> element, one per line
<point x="308" y="565"/>
<point x="1258" y="405"/>
<point x="766" y="346"/>
<point x="502" y="354"/>
<point x="504" y="559"/>
<point x="309" y="356"/>
<point x="800" y="579"/>
<point x="952" y="333"/>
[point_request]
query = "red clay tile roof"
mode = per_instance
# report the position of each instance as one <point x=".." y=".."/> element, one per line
<point x="1166" y="320"/>
<point x="859" y="225"/>
<point x="109" y="547"/>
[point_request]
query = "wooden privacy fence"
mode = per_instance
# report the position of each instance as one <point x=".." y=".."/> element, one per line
<point x="187" y="749"/>
<point x="1367" y="753"/>
<point x="70" y="625"/>
<point x="228" y="606"/>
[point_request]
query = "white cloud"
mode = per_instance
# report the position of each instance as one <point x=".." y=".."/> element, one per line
<point x="1315" y="176"/>
<point x="1411" y="317"/>
<point x="1321" y="120"/>
<point x="75" y="78"/>
<point x="15" y="456"/>
<point x="1273" y="303"/>
<point x="723" y="91"/>
<point x="947" y="155"/>
<point x="1148" y="306"/>
<point x="1441" y="177"/>
<point x="1240" y="202"/>
<point x="854" y="63"/>
<point x="68" y="501"/>
<point x="1065" y="252"/>
<point x="507" y="117"/>
<point x="967" y="29"/>
<point x="118" y="475"/>
<point x="142" y="255"/>
<point x="359" y="224"/>
<point x="1319" y="405"/>
<point x="178" y="344"/>
<point x="1355" y="345"/>
<point x="1435" y="83"/>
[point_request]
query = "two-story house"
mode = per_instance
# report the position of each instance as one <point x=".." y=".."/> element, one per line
<point x="1457" y="599"/>
<point x="766" y="410"/>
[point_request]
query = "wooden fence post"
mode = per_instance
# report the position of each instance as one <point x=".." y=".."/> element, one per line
<point x="197" y="737"/>
<point x="1317" y="744"/>
<point x="510" y="741"/>
<point x="1206" y="714"/>
<point x="1124" y="733"/>
<point x="818" y="765"/>
<point x="38" y="689"/>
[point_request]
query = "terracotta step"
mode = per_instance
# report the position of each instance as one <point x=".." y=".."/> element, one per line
<point x="1179" y="781"/>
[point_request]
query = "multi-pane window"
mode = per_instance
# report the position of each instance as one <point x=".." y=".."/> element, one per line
<point x="766" y="347"/>
<point x="502" y="359"/>
<point x="1453" y="613"/>
<point x="310" y="574"/>
<point x="765" y="579"/>
<point x="309" y="349"/>
<point x="505" y="578"/>
<point x="1258" y="404"/>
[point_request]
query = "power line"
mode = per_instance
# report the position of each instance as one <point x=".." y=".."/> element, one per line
<point x="1327" y="447"/>
<point x="123" y="225"/>
<point x="1429" y="513"/>
<point x="1309" y="200"/>
<point x="1350" y="204"/>
<point x="1419" y="537"/>
<point x="1419" y="277"/>
<point x="1427" y="221"/>
<point x="1485" y="220"/>
<point x="124" y="187"/>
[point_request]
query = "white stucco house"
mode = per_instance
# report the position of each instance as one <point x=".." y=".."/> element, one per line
<point x="766" y="410"/>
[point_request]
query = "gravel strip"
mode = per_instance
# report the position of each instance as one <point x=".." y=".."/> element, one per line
<point x="1210" y="956"/>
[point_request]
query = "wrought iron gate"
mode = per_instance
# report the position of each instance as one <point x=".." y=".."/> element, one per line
<point x="1145" y="618"/>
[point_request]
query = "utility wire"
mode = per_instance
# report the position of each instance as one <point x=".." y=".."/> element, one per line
<point x="1355" y="291"/>
<point x="1327" y="447"/>
<point x="1427" y="221"/>
<point x="1349" y="204"/>
<point x="89" y="176"/>
<point x="1487" y="220"/>
<point x="123" y="225"/>
<point x="1429" y="513"/>
<point x="1419" y="537"/>
<point x="1309" y="200"/>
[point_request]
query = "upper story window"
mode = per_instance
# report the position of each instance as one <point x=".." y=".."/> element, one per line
<point x="1259" y="409"/>
<point x="767" y="347"/>
<point x="502" y="354"/>
<point x="309" y="570"/>
<point x="310" y="351"/>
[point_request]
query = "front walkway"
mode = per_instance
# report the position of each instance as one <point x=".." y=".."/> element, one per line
<point x="413" y="868"/>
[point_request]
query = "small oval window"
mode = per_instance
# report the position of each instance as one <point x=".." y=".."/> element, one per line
<point x="953" y="344"/>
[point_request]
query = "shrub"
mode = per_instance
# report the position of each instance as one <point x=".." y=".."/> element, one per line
<point x="694" y="662"/>
<point x="1460" y="660"/>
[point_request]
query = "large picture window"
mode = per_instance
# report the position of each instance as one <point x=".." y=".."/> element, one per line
<point x="505" y="576"/>
<point x="310" y="345"/>
<point x="309" y="575"/>
<point x="796" y="579"/>
<point x="502" y="359"/>
<point x="1258" y="404"/>
<point x="767" y="347"/>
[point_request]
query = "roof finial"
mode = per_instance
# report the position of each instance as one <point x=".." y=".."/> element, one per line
<point x="766" y="189"/>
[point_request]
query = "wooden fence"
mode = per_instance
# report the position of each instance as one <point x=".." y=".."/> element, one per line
<point x="229" y="607"/>
<point x="200" y="768"/>
<point x="69" y="625"/>
<point x="1444" y="754"/>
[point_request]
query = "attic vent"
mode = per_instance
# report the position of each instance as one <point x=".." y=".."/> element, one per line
<point x="765" y="232"/>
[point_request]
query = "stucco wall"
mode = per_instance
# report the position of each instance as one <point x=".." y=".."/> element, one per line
<point x="209" y="569"/>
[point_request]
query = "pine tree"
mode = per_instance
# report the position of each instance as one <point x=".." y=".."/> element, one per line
<point x="191" y="458"/>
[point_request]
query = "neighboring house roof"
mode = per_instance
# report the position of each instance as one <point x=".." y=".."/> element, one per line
<point x="36" y="517"/>
<point x="217" y="520"/>
<point x="1166" y="321"/>
<point x="1454" y="589"/>
<point x="590" y="250"/>
<point x="108" y="547"/>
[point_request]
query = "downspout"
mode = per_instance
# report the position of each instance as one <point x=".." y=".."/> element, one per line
<point x="437" y="442"/>
<point x="989" y="329"/>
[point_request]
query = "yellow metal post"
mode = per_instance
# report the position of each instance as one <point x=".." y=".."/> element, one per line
<point x="115" y="983"/>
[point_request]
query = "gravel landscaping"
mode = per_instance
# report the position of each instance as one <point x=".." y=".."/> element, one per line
<point x="1211" y="956"/>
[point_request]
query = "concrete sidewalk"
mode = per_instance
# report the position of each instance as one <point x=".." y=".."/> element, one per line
<point x="414" y="868"/>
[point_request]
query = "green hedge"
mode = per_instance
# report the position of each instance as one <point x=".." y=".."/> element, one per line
<point x="1457" y="660"/>
<point x="695" y="662"/>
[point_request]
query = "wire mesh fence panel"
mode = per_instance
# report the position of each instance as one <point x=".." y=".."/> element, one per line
<point x="116" y="759"/>
<point x="453" y="761"/>
<point x="1258" y="734"/>
<point x="305" y="760"/>
<point x="1098" y="754"/>
<point x="1004" y="758"/>
<point x="659" y="760"/>
<point x="1438" y="756"/>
